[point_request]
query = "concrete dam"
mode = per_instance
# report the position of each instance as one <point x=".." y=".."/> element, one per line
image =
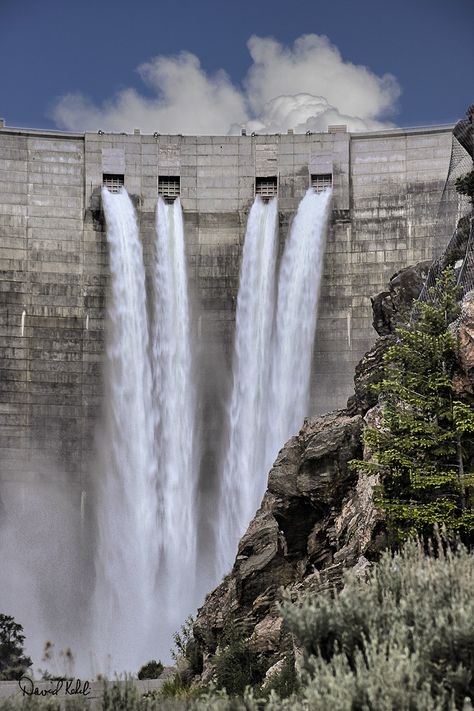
<point x="369" y="204"/>
<point x="54" y="261"/>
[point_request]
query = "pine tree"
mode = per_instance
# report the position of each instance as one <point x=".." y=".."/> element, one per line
<point x="423" y="448"/>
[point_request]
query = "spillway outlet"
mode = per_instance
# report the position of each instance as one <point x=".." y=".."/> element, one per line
<point x="169" y="187"/>
<point x="321" y="181"/>
<point x="114" y="182"/>
<point x="266" y="187"/>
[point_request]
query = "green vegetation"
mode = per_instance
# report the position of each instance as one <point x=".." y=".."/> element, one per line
<point x="182" y="638"/>
<point x="285" y="682"/>
<point x="423" y="447"/>
<point x="41" y="704"/>
<point x="237" y="665"/>
<point x="177" y="687"/>
<point x="151" y="670"/>
<point x="13" y="662"/>
<point x="188" y="664"/>
<point x="185" y="647"/>
<point x="402" y="638"/>
<point x="465" y="185"/>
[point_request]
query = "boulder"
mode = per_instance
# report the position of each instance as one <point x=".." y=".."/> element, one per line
<point x="392" y="308"/>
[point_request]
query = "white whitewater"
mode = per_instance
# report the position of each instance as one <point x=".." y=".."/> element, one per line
<point x="174" y="398"/>
<point x="296" y="314"/>
<point x="244" y="475"/>
<point x="146" y="567"/>
<point x="127" y="548"/>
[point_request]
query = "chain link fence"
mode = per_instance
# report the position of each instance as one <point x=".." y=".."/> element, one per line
<point x="455" y="209"/>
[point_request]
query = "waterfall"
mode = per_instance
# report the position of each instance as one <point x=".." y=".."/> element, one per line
<point x="127" y="546"/>
<point x="272" y="356"/>
<point x="146" y="568"/>
<point x="244" y="474"/>
<point x="296" y="312"/>
<point x="174" y="400"/>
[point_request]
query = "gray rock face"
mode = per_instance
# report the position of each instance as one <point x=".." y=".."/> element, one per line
<point x="463" y="331"/>
<point x="391" y="308"/>
<point x="316" y="519"/>
<point x="464" y="131"/>
<point x="369" y="371"/>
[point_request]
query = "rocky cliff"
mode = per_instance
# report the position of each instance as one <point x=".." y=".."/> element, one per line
<point x="317" y="517"/>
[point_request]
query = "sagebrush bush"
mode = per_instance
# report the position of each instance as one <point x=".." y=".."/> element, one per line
<point x="400" y="640"/>
<point x="403" y="639"/>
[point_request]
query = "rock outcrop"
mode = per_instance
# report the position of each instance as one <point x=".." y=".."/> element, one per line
<point x="391" y="308"/>
<point x="463" y="331"/>
<point x="464" y="131"/>
<point x="316" y="519"/>
<point x="368" y="372"/>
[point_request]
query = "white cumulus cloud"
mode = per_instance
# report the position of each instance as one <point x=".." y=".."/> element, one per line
<point x="304" y="87"/>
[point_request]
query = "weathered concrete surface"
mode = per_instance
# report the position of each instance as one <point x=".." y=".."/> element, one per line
<point x="49" y="371"/>
<point x="53" y="258"/>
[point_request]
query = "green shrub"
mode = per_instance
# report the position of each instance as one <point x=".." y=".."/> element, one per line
<point x="465" y="184"/>
<point x="13" y="662"/>
<point x="182" y="638"/>
<point x="237" y="665"/>
<point x="186" y="647"/>
<point x="151" y="670"/>
<point x="173" y="688"/>
<point x="284" y="683"/>
<point x="402" y="639"/>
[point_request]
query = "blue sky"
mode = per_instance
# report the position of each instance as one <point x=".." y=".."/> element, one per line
<point x="53" y="48"/>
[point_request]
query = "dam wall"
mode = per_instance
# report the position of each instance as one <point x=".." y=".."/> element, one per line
<point x="54" y="262"/>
